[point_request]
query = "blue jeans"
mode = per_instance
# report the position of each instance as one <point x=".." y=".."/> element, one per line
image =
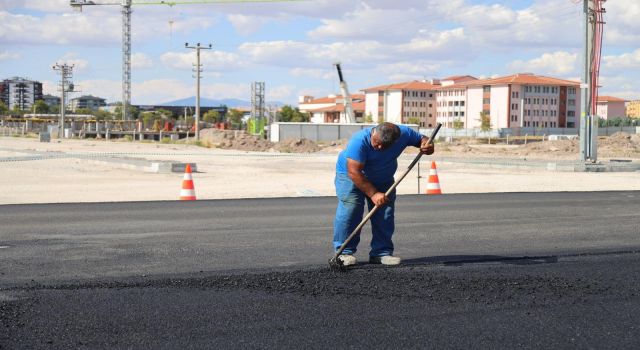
<point x="349" y="215"/>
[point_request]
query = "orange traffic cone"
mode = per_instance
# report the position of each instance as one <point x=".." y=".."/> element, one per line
<point x="187" y="193"/>
<point x="433" y="185"/>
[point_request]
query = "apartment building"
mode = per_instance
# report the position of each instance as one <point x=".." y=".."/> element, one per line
<point x="519" y="100"/>
<point x="610" y="107"/>
<point x="409" y="102"/>
<point x="331" y="109"/>
<point x="87" y="102"/>
<point x="633" y="109"/>
<point x="51" y="100"/>
<point x="451" y="101"/>
<point x="20" y="93"/>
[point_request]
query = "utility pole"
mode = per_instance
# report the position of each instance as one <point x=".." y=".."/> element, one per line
<point x="593" y="25"/>
<point x="197" y="70"/>
<point x="257" y="106"/>
<point x="66" y="72"/>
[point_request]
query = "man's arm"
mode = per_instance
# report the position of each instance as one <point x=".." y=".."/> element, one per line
<point x="425" y="147"/>
<point x="354" y="169"/>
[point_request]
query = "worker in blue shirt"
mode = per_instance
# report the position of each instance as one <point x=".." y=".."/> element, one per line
<point x="365" y="170"/>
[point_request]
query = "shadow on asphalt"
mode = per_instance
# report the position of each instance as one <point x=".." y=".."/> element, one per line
<point x="458" y="260"/>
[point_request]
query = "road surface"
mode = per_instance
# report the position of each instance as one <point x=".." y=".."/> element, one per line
<point x="489" y="270"/>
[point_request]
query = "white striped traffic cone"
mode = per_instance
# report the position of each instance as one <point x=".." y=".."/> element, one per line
<point x="433" y="185"/>
<point x="187" y="193"/>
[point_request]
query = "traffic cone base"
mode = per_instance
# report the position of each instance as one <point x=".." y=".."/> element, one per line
<point x="433" y="184"/>
<point x="187" y="193"/>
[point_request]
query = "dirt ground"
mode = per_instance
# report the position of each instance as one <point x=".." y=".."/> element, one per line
<point x="618" y="145"/>
<point x="235" y="165"/>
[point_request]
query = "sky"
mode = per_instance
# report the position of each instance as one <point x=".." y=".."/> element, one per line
<point x="292" y="45"/>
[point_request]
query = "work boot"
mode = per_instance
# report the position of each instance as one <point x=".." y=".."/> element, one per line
<point x="385" y="260"/>
<point x="347" y="260"/>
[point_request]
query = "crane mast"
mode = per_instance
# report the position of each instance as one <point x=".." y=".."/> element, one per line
<point x="349" y="116"/>
<point x="126" y="58"/>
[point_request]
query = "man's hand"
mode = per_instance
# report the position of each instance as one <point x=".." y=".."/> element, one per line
<point x="426" y="147"/>
<point x="379" y="199"/>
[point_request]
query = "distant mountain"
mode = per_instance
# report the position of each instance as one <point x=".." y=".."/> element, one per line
<point x="208" y="102"/>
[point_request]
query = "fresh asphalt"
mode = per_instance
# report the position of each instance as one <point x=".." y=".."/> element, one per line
<point x="521" y="270"/>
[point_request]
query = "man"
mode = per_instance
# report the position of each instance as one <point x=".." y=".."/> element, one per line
<point x="365" y="170"/>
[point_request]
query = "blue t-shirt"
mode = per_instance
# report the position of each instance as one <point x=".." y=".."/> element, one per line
<point x="379" y="166"/>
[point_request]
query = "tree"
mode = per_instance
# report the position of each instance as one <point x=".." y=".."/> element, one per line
<point x="485" y="121"/>
<point x="457" y="125"/>
<point x="234" y="117"/>
<point x="3" y="108"/>
<point x="290" y="114"/>
<point x="165" y="114"/>
<point x="40" y="107"/>
<point x="16" y="110"/>
<point x="368" y="118"/>
<point x="101" y="114"/>
<point x="83" y="111"/>
<point x="413" y="120"/>
<point x="133" y="111"/>
<point x="212" y="116"/>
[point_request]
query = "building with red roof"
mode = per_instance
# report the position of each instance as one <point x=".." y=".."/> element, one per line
<point x="610" y="107"/>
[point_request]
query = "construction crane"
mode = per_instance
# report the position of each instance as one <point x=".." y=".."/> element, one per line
<point x="349" y="116"/>
<point x="126" y="32"/>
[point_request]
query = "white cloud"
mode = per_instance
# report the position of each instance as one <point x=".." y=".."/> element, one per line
<point x="442" y="44"/>
<point x="39" y="5"/>
<point x="554" y="63"/>
<point x="70" y="58"/>
<point x="246" y="25"/>
<point x="356" y="54"/>
<point x="407" y="71"/>
<point x="95" y="26"/>
<point x="368" y="23"/>
<point x="624" y="61"/>
<point x="622" y="26"/>
<point x="316" y="73"/>
<point x="107" y="89"/>
<point x="141" y="61"/>
<point x="211" y="60"/>
<point x="278" y="92"/>
<point x="66" y="29"/>
<point x="619" y="86"/>
<point x="7" y="56"/>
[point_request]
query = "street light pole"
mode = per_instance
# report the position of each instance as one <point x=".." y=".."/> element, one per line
<point x="198" y="71"/>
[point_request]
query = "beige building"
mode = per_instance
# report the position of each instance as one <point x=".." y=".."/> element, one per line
<point x="87" y="102"/>
<point x="331" y="109"/>
<point x="610" y="107"/>
<point x="514" y="101"/>
<point x="633" y="109"/>
<point x="404" y="103"/>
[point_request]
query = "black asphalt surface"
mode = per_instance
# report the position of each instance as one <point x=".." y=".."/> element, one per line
<point x="547" y="270"/>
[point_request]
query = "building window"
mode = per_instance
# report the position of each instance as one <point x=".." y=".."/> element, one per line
<point x="571" y="102"/>
<point x="486" y="88"/>
<point x="486" y="101"/>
